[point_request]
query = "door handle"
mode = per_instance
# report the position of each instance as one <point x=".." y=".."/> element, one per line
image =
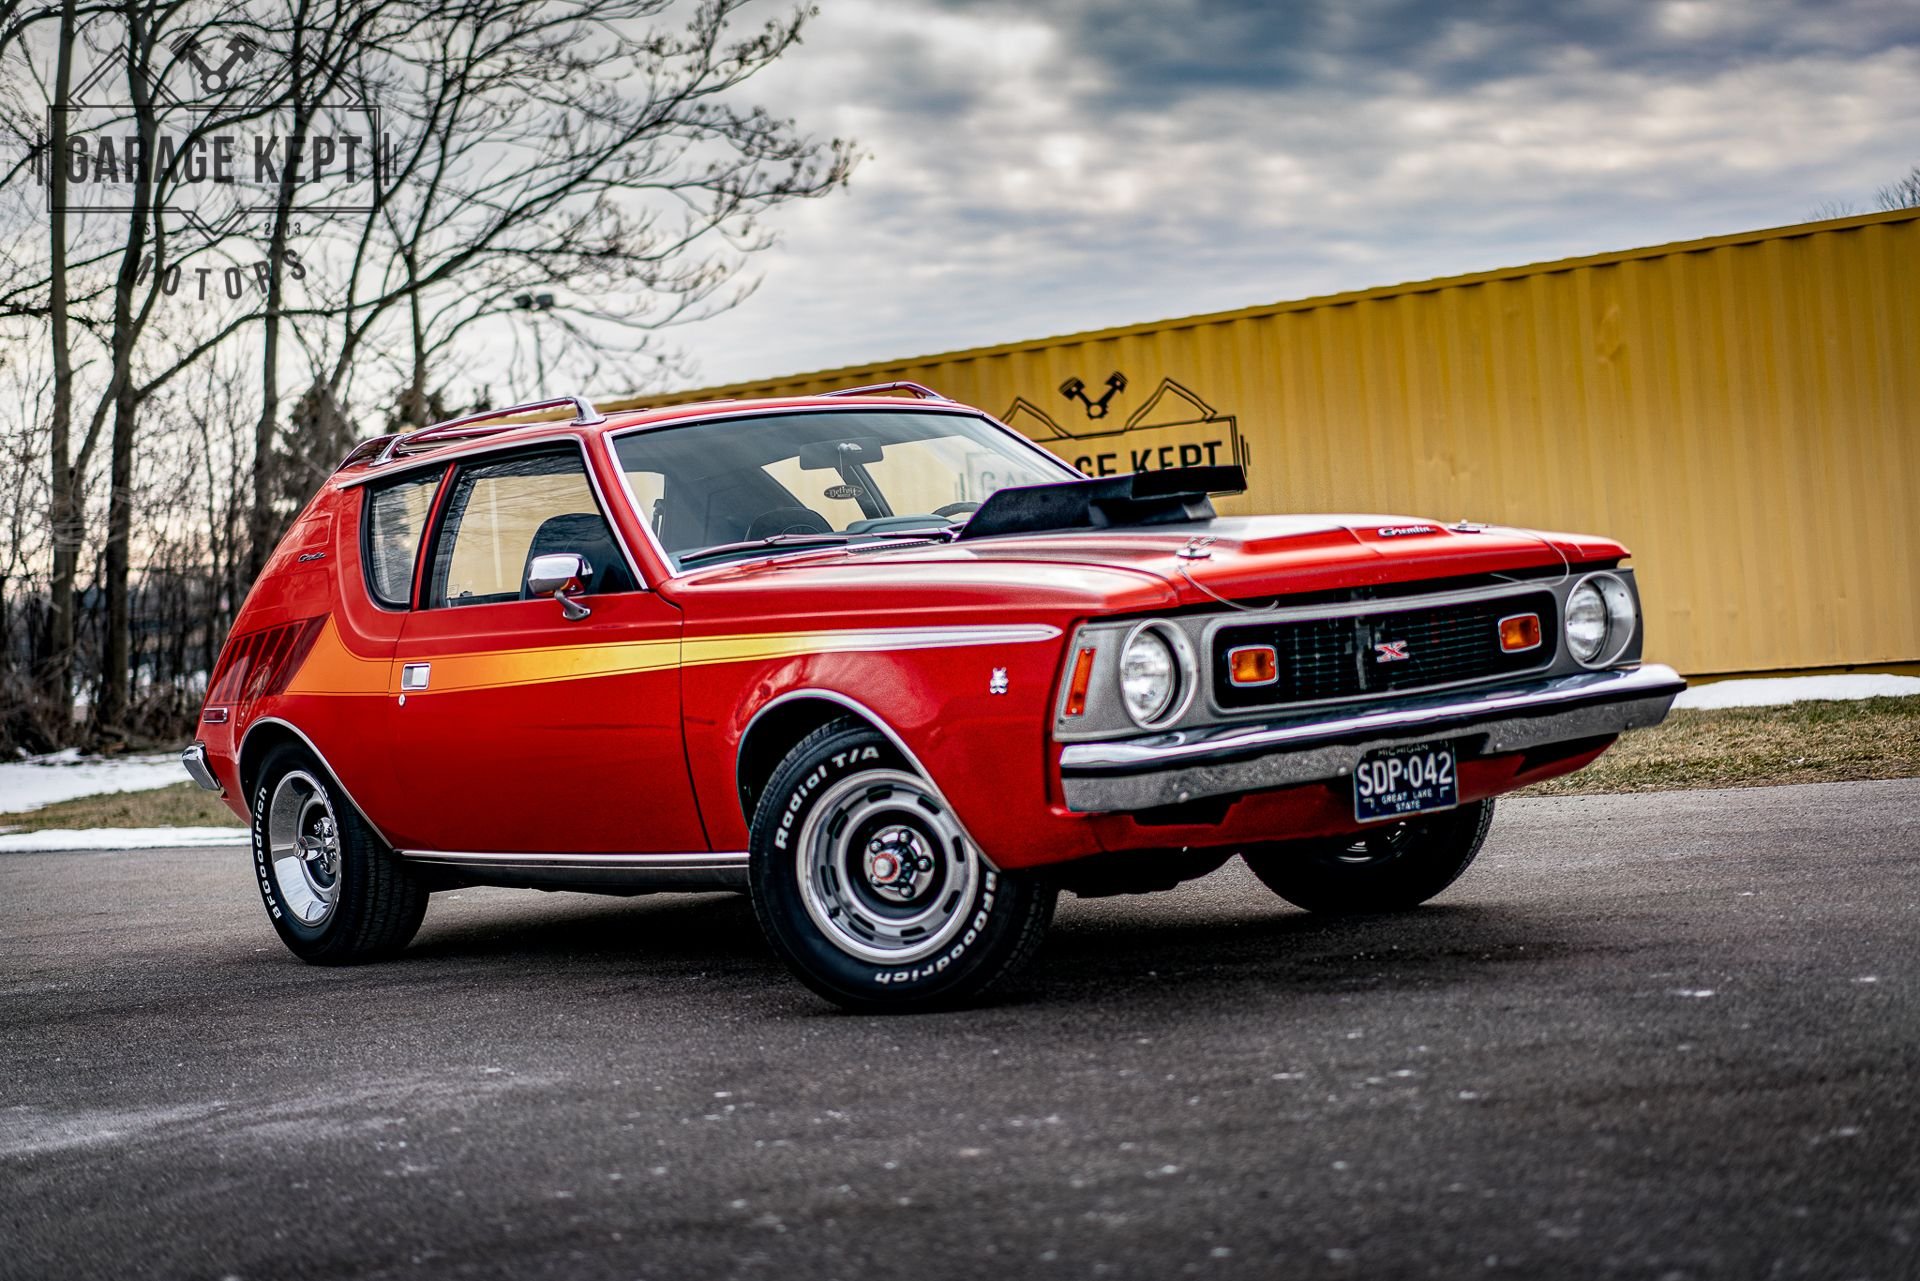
<point x="413" y="676"/>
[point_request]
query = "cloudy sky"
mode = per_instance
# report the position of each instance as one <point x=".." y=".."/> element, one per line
<point x="1058" y="165"/>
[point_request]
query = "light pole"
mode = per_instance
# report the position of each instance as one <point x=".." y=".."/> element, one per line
<point x="536" y="303"/>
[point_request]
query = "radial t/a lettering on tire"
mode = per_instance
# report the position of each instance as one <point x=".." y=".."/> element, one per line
<point x="866" y="883"/>
<point x="335" y="893"/>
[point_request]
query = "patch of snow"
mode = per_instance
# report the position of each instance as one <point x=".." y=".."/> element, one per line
<point x="122" y="838"/>
<point x="41" y="780"/>
<point x="1776" y="691"/>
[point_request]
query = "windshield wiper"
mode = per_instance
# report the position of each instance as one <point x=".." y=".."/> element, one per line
<point x="798" y="541"/>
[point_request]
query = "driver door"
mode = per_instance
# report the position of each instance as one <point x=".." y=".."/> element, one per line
<point x="514" y="728"/>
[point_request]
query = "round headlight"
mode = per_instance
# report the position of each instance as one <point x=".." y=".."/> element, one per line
<point x="1586" y="622"/>
<point x="1600" y="619"/>
<point x="1149" y="678"/>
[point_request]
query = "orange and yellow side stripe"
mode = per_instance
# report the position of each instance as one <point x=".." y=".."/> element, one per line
<point x="333" y="668"/>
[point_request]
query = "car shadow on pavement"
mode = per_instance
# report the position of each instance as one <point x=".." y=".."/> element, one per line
<point x="693" y="928"/>
<point x="1437" y="945"/>
<point x="1098" y="949"/>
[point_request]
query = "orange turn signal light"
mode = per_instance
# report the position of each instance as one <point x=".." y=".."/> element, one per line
<point x="1520" y="632"/>
<point x="1253" y="665"/>
<point x="1077" y="686"/>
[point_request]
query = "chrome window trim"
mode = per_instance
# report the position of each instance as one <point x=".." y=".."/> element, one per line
<point x="612" y="456"/>
<point x="886" y="731"/>
<point x="614" y="435"/>
<point x="607" y="514"/>
<point x="365" y="521"/>
<point x="241" y="752"/>
<point x="428" y="543"/>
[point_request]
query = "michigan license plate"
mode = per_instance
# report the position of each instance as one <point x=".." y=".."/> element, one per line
<point x="1393" y="782"/>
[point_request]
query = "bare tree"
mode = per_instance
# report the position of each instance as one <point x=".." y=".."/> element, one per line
<point x="568" y="147"/>
<point x="1901" y="194"/>
<point x="579" y="150"/>
<point x="96" y="291"/>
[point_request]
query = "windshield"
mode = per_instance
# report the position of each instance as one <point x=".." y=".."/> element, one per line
<point x="790" y="481"/>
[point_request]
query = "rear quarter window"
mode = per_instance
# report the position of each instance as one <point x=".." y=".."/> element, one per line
<point x="396" y="523"/>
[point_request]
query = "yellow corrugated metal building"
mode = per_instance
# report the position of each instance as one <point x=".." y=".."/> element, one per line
<point x="1743" y="412"/>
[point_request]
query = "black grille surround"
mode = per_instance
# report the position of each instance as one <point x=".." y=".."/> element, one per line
<point x="1337" y="658"/>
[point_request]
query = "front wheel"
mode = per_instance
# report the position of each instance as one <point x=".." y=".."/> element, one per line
<point x="335" y="893"/>
<point x="1386" y="869"/>
<point x="865" y="882"/>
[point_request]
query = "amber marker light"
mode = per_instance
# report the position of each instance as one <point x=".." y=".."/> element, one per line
<point x="1520" y="632"/>
<point x="1077" y="687"/>
<point x="1253" y="665"/>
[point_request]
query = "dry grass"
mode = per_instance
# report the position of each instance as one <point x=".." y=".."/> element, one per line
<point x="182" y="805"/>
<point x="1821" y="742"/>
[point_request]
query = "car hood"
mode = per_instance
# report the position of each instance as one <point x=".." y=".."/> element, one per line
<point x="1242" y="558"/>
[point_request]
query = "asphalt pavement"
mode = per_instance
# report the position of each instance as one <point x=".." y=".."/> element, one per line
<point x="1668" y="1036"/>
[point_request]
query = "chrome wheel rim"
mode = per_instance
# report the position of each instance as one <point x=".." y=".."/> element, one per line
<point x="1378" y="846"/>
<point x="303" y="845"/>
<point x="886" y="873"/>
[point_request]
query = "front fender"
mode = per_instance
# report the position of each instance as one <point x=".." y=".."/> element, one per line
<point x="980" y="739"/>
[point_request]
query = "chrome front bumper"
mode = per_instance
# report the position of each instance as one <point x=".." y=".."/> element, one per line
<point x="1229" y="760"/>
<point x="194" y="761"/>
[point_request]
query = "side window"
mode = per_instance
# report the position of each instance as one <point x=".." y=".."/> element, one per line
<point x="396" y="520"/>
<point x="503" y="514"/>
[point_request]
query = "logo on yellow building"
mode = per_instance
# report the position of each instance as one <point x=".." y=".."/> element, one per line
<point x="1173" y="427"/>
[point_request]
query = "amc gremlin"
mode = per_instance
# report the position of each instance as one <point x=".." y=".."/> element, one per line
<point x="890" y="668"/>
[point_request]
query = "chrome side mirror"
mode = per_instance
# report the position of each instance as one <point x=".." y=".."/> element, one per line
<point x="556" y="574"/>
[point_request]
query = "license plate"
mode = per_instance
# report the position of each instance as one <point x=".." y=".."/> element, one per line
<point x="1393" y="782"/>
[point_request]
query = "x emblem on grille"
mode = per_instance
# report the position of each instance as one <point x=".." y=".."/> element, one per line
<point x="1390" y="652"/>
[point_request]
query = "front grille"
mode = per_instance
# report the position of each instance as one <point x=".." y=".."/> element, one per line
<point x="1326" y="659"/>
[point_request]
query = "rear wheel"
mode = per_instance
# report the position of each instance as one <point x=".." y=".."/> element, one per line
<point x="1385" y="869"/>
<point x="335" y="893"/>
<point x="866" y="883"/>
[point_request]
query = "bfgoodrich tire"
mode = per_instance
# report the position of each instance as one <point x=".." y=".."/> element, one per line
<point x="866" y="885"/>
<point x="1388" y="869"/>
<point x="335" y="893"/>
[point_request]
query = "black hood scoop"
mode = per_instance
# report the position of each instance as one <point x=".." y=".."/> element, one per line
<point x="1167" y="497"/>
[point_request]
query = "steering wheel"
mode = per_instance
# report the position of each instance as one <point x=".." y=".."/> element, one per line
<point x="956" y="509"/>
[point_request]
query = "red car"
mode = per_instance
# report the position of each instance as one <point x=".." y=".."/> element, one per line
<point x="890" y="668"/>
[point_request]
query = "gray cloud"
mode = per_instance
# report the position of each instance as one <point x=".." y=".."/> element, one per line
<point x="1038" y="169"/>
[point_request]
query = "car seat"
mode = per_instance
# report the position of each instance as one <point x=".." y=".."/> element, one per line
<point x="585" y="533"/>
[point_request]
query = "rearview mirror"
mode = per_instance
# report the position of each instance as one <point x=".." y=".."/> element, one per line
<point x="556" y="574"/>
<point x="828" y="455"/>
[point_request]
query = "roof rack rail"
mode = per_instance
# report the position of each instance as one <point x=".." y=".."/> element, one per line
<point x="584" y="415"/>
<point x="924" y="393"/>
